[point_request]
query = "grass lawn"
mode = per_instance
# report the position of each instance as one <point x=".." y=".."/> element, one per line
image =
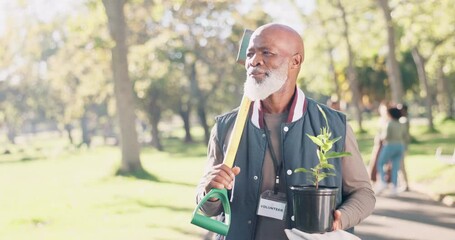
<point x="49" y="190"/>
<point x="75" y="195"/>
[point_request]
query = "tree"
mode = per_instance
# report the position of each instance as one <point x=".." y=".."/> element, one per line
<point x="77" y="75"/>
<point x="393" y="67"/>
<point x="429" y="34"/>
<point x="351" y="71"/>
<point x="426" y="92"/>
<point x="123" y="88"/>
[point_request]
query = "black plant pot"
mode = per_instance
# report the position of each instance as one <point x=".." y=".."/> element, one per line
<point x="314" y="208"/>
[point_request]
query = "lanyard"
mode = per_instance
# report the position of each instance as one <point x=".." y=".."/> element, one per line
<point x="278" y="165"/>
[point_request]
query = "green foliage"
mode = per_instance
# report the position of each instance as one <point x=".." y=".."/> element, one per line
<point x="324" y="143"/>
<point x="372" y="77"/>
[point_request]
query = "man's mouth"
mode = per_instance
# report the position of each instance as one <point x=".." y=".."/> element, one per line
<point x="257" y="73"/>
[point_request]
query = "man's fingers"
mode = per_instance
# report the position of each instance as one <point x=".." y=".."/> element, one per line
<point x="336" y="220"/>
<point x="228" y="170"/>
<point x="236" y="170"/>
<point x="222" y="177"/>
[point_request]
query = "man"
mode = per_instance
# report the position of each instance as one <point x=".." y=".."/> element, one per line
<point x="280" y="112"/>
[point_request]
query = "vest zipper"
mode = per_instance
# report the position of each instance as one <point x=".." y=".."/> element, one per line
<point x="259" y="190"/>
<point x="285" y="181"/>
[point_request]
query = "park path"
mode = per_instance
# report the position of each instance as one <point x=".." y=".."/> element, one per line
<point x="410" y="215"/>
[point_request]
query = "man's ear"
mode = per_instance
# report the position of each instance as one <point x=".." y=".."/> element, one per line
<point x="297" y="60"/>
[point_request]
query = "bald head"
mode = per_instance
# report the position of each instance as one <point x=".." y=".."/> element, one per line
<point x="284" y="36"/>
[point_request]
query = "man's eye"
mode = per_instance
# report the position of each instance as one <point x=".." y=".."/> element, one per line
<point x="267" y="53"/>
<point x="250" y="55"/>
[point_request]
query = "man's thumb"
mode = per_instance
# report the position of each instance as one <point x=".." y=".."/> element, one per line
<point x="337" y="214"/>
<point x="236" y="170"/>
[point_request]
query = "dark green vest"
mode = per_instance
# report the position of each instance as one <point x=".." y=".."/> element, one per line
<point x="298" y="151"/>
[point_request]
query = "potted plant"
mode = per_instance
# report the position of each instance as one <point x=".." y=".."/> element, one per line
<point x="314" y="204"/>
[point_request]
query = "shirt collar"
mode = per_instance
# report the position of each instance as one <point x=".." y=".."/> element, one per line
<point x="296" y="111"/>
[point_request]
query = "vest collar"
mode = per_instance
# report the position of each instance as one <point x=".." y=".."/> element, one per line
<point x="296" y="111"/>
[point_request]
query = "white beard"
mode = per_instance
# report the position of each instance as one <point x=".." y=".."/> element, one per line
<point x="271" y="84"/>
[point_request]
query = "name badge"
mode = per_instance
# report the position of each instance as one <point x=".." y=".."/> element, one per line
<point x="272" y="205"/>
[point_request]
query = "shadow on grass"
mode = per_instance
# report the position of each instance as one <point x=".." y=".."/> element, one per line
<point x="180" y="230"/>
<point x="186" y="232"/>
<point x="171" y="208"/>
<point x="22" y="159"/>
<point x="177" y="147"/>
<point x="142" y="174"/>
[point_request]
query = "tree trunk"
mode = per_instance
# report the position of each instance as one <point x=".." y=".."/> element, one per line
<point x="86" y="138"/>
<point x="156" y="141"/>
<point x="393" y="68"/>
<point x="445" y="99"/>
<point x="11" y="133"/>
<point x="352" y="74"/>
<point x="425" y="89"/>
<point x="155" y="117"/>
<point x="184" y="113"/>
<point x="203" y="120"/>
<point x="68" y="129"/>
<point x="197" y="94"/>
<point x="123" y="88"/>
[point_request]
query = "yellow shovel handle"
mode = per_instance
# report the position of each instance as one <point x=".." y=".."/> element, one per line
<point x="237" y="131"/>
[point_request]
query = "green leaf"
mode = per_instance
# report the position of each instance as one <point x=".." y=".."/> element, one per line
<point x="304" y="170"/>
<point x="320" y="155"/>
<point x="316" y="140"/>
<point x="336" y="139"/>
<point x="337" y="154"/>
<point x="323" y="114"/>
<point x="326" y="147"/>
<point x="327" y="165"/>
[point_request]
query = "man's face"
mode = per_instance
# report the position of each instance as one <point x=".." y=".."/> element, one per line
<point x="259" y="88"/>
<point x="267" y="66"/>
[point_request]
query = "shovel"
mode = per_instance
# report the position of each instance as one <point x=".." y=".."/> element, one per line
<point x="199" y="219"/>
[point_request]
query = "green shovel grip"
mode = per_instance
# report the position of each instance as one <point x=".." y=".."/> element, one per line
<point x="209" y="223"/>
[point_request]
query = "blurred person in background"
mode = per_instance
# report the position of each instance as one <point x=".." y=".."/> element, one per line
<point x="377" y="144"/>
<point x="405" y="121"/>
<point x="392" y="136"/>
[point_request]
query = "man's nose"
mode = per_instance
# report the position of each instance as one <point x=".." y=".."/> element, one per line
<point x="255" y="60"/>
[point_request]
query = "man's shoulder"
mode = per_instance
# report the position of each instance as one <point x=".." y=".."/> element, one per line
<point x="227" y="115"/>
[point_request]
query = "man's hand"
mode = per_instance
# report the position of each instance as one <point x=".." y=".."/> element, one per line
<point x="337" y="220"/>
<point x="221" y="176"/>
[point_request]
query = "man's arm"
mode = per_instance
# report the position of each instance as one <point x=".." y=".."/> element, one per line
<point x="217" y="174"/>
<point x="359" y="199"/>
